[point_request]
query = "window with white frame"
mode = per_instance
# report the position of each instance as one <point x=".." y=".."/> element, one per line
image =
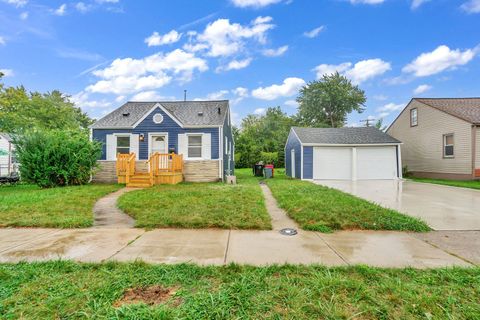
<point x="448" y="146"/>
<point x="194" y="146"/>
<point x="123" y="144"/>
<point x="413" y="117"/>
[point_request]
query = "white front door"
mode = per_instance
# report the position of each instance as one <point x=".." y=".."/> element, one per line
<point x="158" y="143"/>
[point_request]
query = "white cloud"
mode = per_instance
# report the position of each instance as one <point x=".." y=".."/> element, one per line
<point x="157" y="39"/>
<point x="72" y="53"/>
<point x="61" y="11"/>
<point x="440" y="59"/>
<point x="291" y="103"/>
<point x="106" y="1"/>
<point x="358" y="72"/>
<point x="7" y="72"/>
<point x="366" y="1"/>
<point x="2" y="41"/>
<point x="120" y="99"/>
<point x="239" y="93"/>
<point x="222" y="38"/>
<point x="314" y="33"/>
<point x="16" y="3"/>
<point x="417" y="3"/>
<point x="275" y="52"/>
<point x="471" y="6"/>
<point x="147" y="96"/>
<point x="259" y="111"/>
<point x="83" y="101"/>
<point x="235" y="65"/>
<point x="128" y="75"/>
<point x="327" y="69"/>
<point x="288" y="88"/>
<point x="254" y="3"/>
<point x="82" y="7"/>
<point x="388" y="109"/>
<point x="235" y="95"/>
<point x="367" y="69"/>
<point x="422" y="88"/>
<point x="24" y="15"/>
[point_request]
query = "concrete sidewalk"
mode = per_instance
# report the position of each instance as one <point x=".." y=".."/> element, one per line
<point x="218" y="247"/>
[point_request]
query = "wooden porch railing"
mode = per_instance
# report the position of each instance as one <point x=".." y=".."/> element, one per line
<point x="126" y="165"/>
<point x="165" y="162"/>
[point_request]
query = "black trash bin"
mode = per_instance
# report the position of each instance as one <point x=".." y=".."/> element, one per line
<point x="258" y="170"/>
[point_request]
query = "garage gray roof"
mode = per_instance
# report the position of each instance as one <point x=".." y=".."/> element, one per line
<point x="188" y="113"/>
<point x="354" y="135"/>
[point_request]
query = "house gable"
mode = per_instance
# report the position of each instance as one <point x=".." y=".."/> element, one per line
<point x="422" y="149"/>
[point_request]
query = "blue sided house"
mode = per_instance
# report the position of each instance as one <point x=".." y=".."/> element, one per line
<point x="196" y="133"/>
<point x="364" y="153"/>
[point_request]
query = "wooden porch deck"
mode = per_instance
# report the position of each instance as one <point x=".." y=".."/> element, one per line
<point x="162" y="169"/>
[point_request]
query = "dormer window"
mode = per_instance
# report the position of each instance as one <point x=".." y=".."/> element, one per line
<point x="413" y="117"/>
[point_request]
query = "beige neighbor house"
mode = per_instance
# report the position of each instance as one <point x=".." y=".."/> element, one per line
<point x="441" y="137"/>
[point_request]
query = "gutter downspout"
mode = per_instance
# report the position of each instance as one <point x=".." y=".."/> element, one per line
<point x="474" y="150"/>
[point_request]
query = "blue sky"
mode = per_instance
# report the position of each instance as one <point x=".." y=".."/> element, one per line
<point x="257" y="53"/>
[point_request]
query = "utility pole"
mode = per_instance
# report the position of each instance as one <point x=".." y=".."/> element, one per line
<point x="367" y="121"/>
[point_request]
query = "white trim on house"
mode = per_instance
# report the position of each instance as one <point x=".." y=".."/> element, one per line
<point x="220" y="154"/>
<point x="301" y="162"/>
<point x="348" y="145"/>
<point x="133" y="147"/>
<point x="150" y="134"/>
<point x="157" y="105"/>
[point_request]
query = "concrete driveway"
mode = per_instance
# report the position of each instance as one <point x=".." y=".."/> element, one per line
<point x="442" y="207"/>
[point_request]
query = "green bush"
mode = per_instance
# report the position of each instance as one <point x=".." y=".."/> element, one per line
<point x="269" y="157"/>
<point x="56" y="158"/>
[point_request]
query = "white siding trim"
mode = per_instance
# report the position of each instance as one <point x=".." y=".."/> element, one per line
<point x="301" y="162"/>
<point x="157" y="105"/>
<point x="349" y="145"/>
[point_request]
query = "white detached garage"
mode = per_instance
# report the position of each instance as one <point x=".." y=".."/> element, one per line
<point x="342" y="154"/>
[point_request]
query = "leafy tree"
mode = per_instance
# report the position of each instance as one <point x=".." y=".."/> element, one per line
<point x="379" y="125"/>
<point x="21" y="110"/>
<point x="52" y="158"/>
<point x="328" y="101"/>
<point x="262" y="138"/>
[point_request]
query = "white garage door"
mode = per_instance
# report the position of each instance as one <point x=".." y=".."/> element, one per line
<point x="333" y="163"/>
<point x="376" y="163"/>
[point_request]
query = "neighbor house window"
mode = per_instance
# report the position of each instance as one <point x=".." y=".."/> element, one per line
<point x="123" y="144"/>
<point x="194" y="146"/>
<point x="413" y="117"/>
<point x="448" y="146"/>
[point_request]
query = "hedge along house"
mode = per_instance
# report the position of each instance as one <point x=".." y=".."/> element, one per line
<point x="197" y="133"/>
<point x="342" y="154"/>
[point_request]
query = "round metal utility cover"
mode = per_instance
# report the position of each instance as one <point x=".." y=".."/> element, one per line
<point x="288" y="232"/>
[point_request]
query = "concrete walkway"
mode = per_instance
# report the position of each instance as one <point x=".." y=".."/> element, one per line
<point x="279" y="217"/>
<point x="107" y="215"/>
<point x="218" y="247"/>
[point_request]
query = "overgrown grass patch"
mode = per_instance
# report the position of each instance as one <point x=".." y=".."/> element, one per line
<point x="471" y="184"/>
<point x="62" y="207"/>
<point x="325" y="209"/>
<point x="199" y="205"/>
<point x="67" y="290"/>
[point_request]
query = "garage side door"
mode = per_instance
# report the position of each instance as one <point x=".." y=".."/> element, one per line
<point x="333" y="163"/>
<point x="376" y="163"/>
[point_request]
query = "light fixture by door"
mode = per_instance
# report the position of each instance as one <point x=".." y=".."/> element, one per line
<point x="142" y="137"/>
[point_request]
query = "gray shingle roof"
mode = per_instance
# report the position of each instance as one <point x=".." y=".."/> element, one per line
<point x="185" y="112"/>
<point x="467" y="109"/>
<point x="357" y="135"/>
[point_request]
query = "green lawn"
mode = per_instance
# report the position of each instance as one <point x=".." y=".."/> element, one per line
<point x="67" y="207"/>
<point x="325" y="209"/>
<point x="472" y="184"/>
<point x="67" y="290"/>
<point x="199" y="205"/>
